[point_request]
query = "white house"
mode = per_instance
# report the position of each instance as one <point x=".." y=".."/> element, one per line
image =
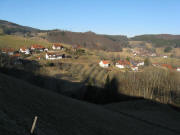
<point x="46" y="49"/>
<point x="24" y="50"/>
<point x="178" y="69"/>
<point x="53" y="56"/>
<point x="57" y="47"/>
<point x="165" y="56"/>
<point x="134" y="68"/>
<point x="104" y="64"/>
<point x="140" y="64"/>
<point x="122" y="64"/>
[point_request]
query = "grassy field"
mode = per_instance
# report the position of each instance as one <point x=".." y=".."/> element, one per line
<point x="10" y="41"/>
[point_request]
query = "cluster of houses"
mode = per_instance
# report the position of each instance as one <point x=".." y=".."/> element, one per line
<point x="134" y="66"/>
<point x="122" y="64"/>
<point x="143" y="52"/>
<point x="36" y="48"/>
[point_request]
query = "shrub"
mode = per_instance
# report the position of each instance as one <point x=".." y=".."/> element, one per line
<point x="168" y="49"/>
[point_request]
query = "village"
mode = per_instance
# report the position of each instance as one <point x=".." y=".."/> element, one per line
<point x="57" y="51"/>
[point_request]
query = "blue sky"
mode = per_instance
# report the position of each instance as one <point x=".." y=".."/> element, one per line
<point x="124" y="17"/>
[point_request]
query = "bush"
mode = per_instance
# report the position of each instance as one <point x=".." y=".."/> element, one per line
<point x="147" y="62"/>
<point x="168" y="49"/>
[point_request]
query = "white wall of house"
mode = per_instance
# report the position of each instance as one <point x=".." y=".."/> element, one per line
<point x="101" y="64"/>
<point x="119" y="66"/>
<point x="140" y="64"/>
<point x="56" y="48"/>
<point x="46" y="49"/>
<point x="26" y="51"/>
<point x="54" y="57"/>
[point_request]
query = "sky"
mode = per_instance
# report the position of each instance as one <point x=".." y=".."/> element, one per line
<point x="114" y="17"/>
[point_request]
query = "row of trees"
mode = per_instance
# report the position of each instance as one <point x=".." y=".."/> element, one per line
<point x="155" y="84"/>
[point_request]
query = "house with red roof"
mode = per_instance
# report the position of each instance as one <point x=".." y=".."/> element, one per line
<point x="9" y="51"/>
<point x="24" y="50"/>
<point x="104" y="63"/>
<point x="37" y="47"/>
<point x="57" y="46"/>
<point x="122" y="64"/>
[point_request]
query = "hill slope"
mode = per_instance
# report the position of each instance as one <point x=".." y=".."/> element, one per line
<point x="20" y="102"/>
<point x="160" y="40"/>
<point x="10" y="28"/>
<point x="87" y="39"/>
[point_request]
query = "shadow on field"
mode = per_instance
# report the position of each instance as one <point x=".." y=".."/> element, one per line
<point x="78" y="90"/>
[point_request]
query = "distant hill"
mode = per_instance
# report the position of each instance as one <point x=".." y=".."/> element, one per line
<point x="89" y="40"/>
<point x="86" y="39"/>
<point x="12" y="28"/>
<point x="160" y="40"/>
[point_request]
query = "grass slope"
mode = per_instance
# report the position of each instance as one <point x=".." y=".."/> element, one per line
<point x="17" y="41"/>
<point x="20" y="102"/>
<point x="150" y="112"/>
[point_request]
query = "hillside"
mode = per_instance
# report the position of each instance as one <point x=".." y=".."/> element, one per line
<point x="160" y="40"/>
<point x="20" y="102"/>
<point x="11" y="28"/>
<point x="87" y="39"/>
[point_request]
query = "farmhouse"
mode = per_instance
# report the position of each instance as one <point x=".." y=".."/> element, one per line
<point x="57" y="47"/>
<point x="24" y="50"/>
<point x="122" y="64"/>
<point x="37" y="48"/>
<point x="8" y="51"/>
<point x="54" y="56"/>
<point x="104" y="63"/>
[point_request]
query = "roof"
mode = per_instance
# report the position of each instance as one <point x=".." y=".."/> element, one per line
<point x="7" y="50"/>
<point x="53" y="53"/>
<point x="16" y="55"/>
<point x="105" y="62"/>
<point x="167" y="66"/>
<point x="37" y="46"/>
<point x="123" y="62"/>
<point x="23" y="48"/>
<point x="57" y="45"/>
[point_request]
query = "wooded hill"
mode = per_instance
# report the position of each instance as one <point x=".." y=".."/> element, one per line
<point x="86" y="39"/>
<point x="162" y="40"/>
